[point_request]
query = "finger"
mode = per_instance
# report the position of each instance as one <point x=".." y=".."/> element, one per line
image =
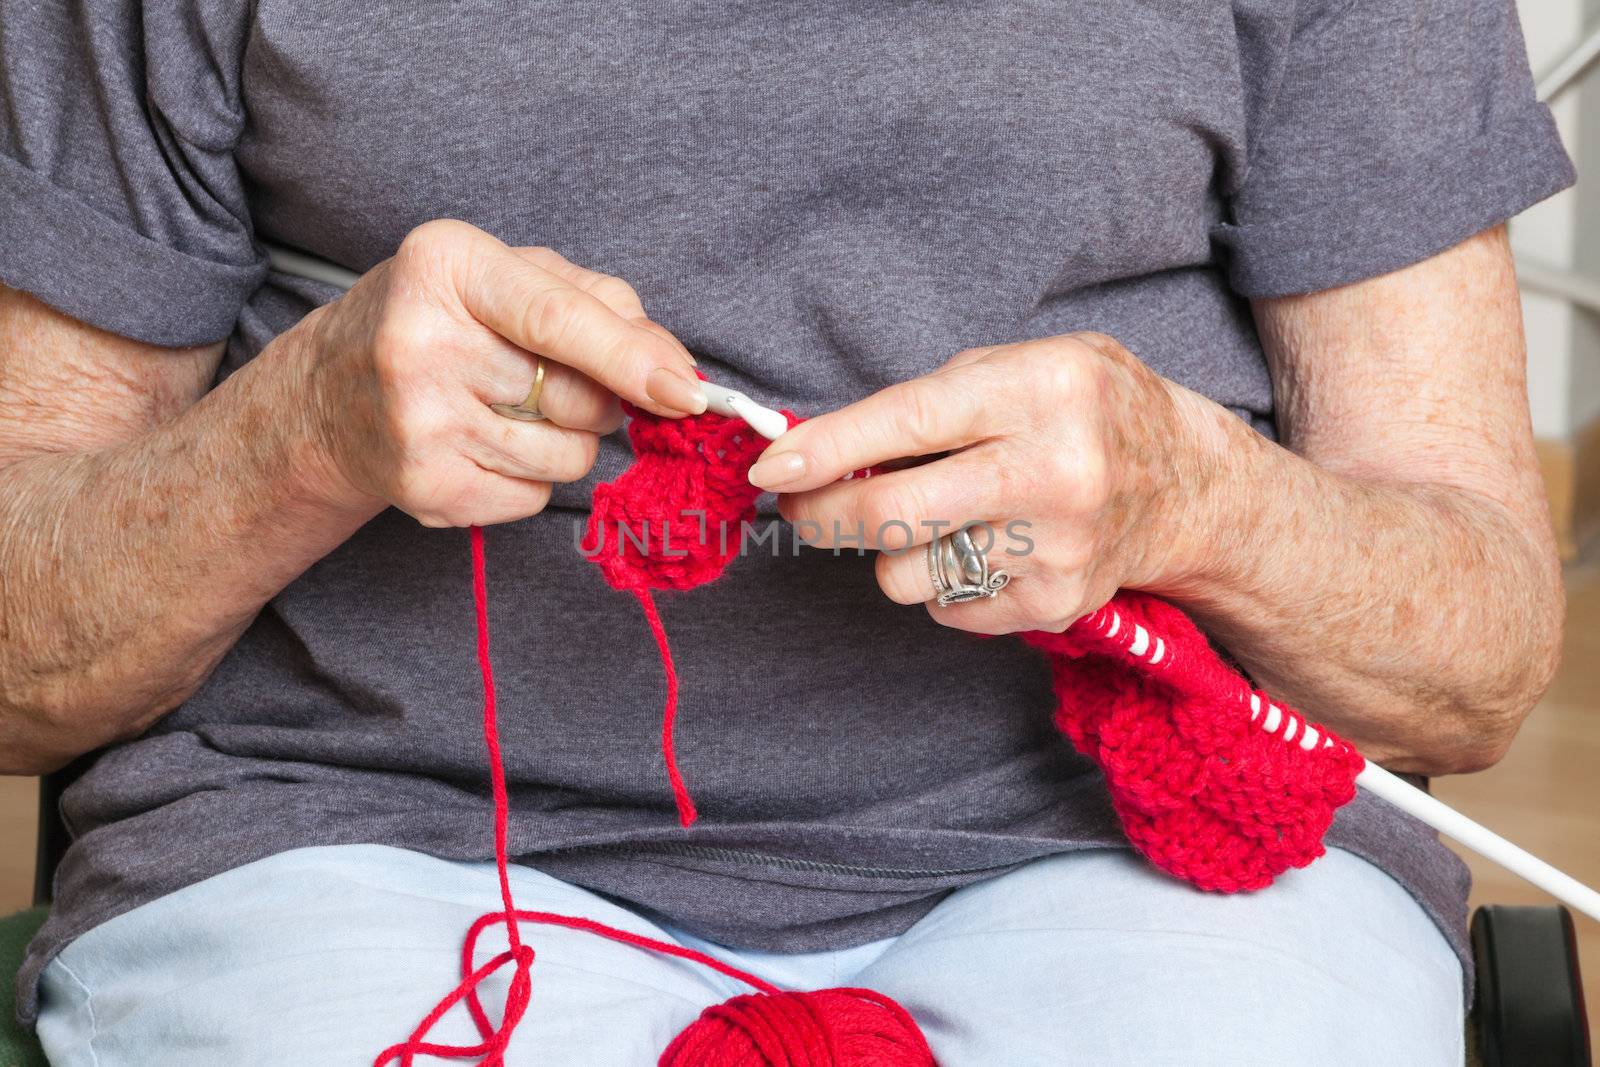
<point x="596" y="408"/>
<point x="905" y="579"/>
<point x="543" y="313"/>
<point x="508" y="500"/>
<point x="972" y="355"/>
<point x="475" y="496"/>
<point x="906" y="507"/>
<point x="612" y="291"/>
<point x="996" y="615"/>
<point x="532" y="451"/>
<point x="660" y="330"/>
<point x="936" y="413"/>
<point x="568" y="398"/>
<point x="616" y="293"/>
<point x="577" y="402"/>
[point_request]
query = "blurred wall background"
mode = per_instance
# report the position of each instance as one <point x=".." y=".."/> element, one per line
<point x="1563" y="234"/>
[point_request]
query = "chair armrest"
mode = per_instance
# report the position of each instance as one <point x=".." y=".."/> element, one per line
<point x="1528" y="1008"/>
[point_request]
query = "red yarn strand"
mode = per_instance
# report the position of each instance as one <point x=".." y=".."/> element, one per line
<point x="790" y="1029"/>
<point x="625" y="937"/>
<point x="669" y="714"/>
<point x="492" y="1048"/>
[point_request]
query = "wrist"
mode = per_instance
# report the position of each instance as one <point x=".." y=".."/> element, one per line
<point x="1204" y="519"/>
<point x="313" y="444"/>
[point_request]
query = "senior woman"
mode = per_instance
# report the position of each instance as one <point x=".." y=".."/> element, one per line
<point x="1216" y="298"/>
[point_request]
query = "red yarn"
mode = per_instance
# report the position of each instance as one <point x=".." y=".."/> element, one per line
<point x="669" y="714"/>
<point x="820" y="1029"/>
<point x="1212" y="781"/>
<point x="674" y="520"/>
<point x="491" y="1049"/>
<point x="773" y="1028"/>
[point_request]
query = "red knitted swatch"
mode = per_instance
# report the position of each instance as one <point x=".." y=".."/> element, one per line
<point x="1212" y="781"/>
<point x="673" y="520"/>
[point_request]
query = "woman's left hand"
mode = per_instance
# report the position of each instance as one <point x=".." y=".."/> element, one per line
<point x="1093" y="471"/>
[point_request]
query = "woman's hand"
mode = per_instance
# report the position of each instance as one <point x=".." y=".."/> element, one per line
<point x="164" y="485"/>
<point x="1389" y="569"/>
<point x="1088" y="465"/>
<point x="402" y="369"/>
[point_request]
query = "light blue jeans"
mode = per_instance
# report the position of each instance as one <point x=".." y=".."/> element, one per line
<point x="324" y="956"/>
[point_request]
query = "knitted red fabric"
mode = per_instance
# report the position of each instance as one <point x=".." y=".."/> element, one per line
<point x="1213" y="782"/>
<point x="673" y="521"/>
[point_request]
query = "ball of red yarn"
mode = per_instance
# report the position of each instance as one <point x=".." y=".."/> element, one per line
<point x="825" y="1028"/>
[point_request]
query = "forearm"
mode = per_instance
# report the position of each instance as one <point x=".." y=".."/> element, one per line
<point x="141" y="532"/>
<point x="128" y="571"/>
<point x="1420" y="620"/>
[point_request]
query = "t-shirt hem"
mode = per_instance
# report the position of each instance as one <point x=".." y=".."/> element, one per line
<point x="1402" y="217"/>
<point x="98" y="271"/>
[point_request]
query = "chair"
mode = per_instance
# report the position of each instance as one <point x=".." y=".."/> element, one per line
<point x="53" y="837"/>
<point x="1528" y="1007"/>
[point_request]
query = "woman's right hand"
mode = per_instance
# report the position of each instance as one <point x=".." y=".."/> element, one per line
<point x="402" y="369"/>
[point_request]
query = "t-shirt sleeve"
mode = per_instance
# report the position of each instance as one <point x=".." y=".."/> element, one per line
<point x="1381" y="132"/>
<point x="121" y="203"/>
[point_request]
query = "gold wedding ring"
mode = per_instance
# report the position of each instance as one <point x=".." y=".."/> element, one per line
<point x="528" y="410"/>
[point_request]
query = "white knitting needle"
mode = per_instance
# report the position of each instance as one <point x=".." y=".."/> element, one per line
<point x="1485" y="842"/>
<point x="301" y="265"/>
<point x="1436" y="813"/>
<point x="720" y="399"/>
<point x="734" y="404"/>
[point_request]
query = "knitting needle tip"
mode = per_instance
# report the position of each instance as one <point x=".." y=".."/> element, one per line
<point x="734" y="404"/>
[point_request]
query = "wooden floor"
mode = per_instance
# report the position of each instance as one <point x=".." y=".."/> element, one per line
<point x="18" y="812"/>
<point x="1544" y="796"/>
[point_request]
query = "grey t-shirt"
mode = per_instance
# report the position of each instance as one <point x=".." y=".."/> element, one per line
<point x="820" y="199"/>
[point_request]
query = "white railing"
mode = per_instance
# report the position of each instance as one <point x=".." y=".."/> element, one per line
<point x="1559" y="282"/>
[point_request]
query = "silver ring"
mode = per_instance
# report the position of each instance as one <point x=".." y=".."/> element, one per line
<point x="959" y="572"/>
<point x="528" y="410"/>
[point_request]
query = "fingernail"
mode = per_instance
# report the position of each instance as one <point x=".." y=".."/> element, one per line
<point x="780" y="468"/>
<point x="677" y="391"/>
